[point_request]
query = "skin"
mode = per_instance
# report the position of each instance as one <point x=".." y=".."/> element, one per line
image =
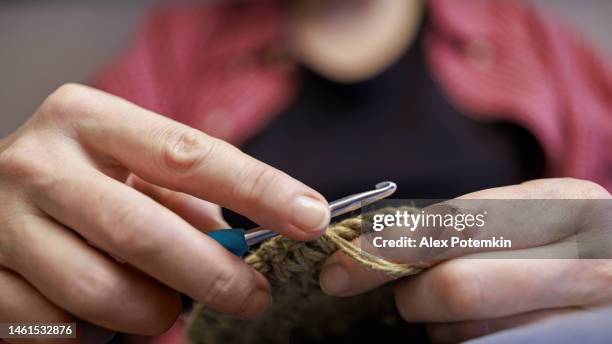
<point x="105" y="206"/>
<point x="352" y="40"/>
<point x="104" y="211"/>
<point x="460" y="299"/>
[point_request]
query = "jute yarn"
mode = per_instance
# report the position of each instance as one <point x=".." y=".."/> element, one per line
<point x="301" y="312"/>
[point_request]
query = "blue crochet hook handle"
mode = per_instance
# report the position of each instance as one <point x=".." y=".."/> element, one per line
<point x="237" y="241"/>
<point x="232" y="239"/>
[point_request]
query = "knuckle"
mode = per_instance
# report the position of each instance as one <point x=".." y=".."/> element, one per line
<point x="226" y="290"/>
<point x="571" y="187"/>
<point x="126" y="234"/>
<point x="23" y="161"/>
<point x="90" y="291"/>
<point x="599" y="277"/>
<point x="459" y="291"/>
<point x="585" y="189"/>
<point x="600" y="270"/>
<point x="253" y="182"/>
<point x="593" y="190"/>
<point x="12" y="225"/>
<point x="64" y="101"/>
<point x="184" y="150"/>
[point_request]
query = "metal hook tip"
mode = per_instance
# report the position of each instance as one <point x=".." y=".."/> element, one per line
<point x="386" y="185"/>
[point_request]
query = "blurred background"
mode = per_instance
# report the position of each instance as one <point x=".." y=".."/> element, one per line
<point x="44" y="44"/>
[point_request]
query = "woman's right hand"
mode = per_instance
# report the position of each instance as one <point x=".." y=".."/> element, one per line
<point x="91" y="177"/>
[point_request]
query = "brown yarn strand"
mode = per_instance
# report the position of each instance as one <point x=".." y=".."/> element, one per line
<point x="366" y="259"/>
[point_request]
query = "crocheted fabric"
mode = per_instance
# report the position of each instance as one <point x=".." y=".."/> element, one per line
<point x="301" y="312"/>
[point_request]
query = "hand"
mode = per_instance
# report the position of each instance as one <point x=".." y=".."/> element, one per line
<point x="63" y="191"/>
<point x="465" y="298"/>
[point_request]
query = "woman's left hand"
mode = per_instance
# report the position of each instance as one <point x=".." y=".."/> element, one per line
<point x="466" y="298"/>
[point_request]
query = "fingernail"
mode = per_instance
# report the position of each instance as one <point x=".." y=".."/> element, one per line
<point x="334" y="279"/>
<point x="256" y="305"/>
<point x="310" y="215"/>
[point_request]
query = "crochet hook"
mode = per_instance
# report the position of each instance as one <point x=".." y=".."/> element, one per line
<point x="237" y="241"/>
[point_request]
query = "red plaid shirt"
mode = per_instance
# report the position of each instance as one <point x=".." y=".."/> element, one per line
<point x="214" y="67"/>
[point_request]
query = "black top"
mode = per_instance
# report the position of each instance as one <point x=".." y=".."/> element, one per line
<point x="399" y="126"/>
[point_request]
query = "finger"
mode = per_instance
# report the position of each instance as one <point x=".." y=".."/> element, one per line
<point x="203" y="215"/>
<point x="184" y="159"/>
<point x="547" y="188"/>
<point x="534" y="213"/>
<point x="344" y="276"/>
<point x="86" y="282"/>
<point x="461" y="331"/>
<point x="21" y="303"/>
<point x="474" y="289"/>
<point x="531" y="214"/>
<point x="527" y="224"/>
<point x="136" y="229"/>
